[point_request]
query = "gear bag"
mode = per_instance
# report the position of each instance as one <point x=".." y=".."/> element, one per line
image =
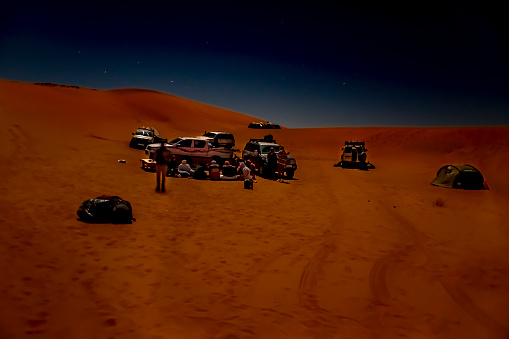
<point x="248" y="184"/>
<point x="106" y="209"/>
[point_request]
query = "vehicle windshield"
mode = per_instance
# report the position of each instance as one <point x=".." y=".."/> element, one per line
<point x="143" y="132"/>
<point x="266" y="149"/>
<point x="174" y="141"/>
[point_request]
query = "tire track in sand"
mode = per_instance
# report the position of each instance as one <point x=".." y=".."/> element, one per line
<point x="450" y="285"/>
<point x="377" y="275"/>
<point x="309" y="277"/>
<point x="325" y="244"/>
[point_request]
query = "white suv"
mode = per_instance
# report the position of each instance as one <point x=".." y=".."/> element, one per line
<point x="353" y="153"/>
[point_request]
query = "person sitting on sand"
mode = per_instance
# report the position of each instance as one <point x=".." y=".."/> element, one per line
<point x="235" y="161"/>
<point x="214" y="171"/>
<point x="185" y="171"/>
<point x="200" y="172"/>
<point x="172" y="166"/>
<point x="229" y="172"/>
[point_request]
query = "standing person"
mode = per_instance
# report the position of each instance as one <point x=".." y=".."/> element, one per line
<point x="248" y="180"/>
<point x="281" y="163"/>
<point x="161" y="156"/>
<point x="256" y="159"/>
<point x="252" y="167"/>
<point x="272" y="162"/>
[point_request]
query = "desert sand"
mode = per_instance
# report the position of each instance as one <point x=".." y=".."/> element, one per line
<point x="334" y="253"/>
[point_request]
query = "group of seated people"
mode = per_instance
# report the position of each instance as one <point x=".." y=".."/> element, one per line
<point x="212" y="171"/>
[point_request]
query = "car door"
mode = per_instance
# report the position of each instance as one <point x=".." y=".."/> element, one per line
<point x="199" y="145"/>
<point x="347" y="153"/>
<point x="185" y="145"/>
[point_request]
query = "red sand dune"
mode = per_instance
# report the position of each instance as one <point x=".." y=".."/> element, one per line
<point x="335" y="253"/>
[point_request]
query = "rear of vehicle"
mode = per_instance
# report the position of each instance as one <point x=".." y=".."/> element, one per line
<point x="353" y="154"/>
<point x="349" y="154"/>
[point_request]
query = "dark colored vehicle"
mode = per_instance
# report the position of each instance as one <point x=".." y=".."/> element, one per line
<point x="262" y="125"/>
<point x="263" y="146"/>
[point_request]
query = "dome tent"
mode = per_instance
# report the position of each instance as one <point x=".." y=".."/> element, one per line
<point x="459" y="176"/>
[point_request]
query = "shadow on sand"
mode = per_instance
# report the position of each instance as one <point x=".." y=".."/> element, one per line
<point x="363" y="166"/>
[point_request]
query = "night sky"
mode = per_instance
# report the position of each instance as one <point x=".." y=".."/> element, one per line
<point x="300" y="65"/>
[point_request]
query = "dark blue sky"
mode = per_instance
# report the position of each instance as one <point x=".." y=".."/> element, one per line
<point x="297" y="64"/>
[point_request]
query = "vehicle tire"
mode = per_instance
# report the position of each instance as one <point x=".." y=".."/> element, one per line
<point x="290" y="173"/>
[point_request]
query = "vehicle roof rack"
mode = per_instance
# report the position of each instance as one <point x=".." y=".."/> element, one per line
<point x="355" y="143"/>
<point x="152" y="129"/>
<point x="268" y="138"/>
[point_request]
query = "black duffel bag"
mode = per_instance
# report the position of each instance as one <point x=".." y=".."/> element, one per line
<point x="106" y="209"/>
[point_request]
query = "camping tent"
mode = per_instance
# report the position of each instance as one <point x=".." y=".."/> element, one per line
<point x="459" y="176"/>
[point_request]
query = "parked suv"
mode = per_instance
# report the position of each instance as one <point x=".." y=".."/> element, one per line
<point x="219" y="139"/>
<point x="194" y="150"/>
<point x="268" y="125"/>
<point x="263" y="147"/>
<point x="353" y="154"/>
<point x="144" y="136"/>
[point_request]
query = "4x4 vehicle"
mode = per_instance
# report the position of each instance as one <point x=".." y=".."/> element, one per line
<point x="194" y="150"/>
<point x="144" y="136"/>
<point x="219" y="139"/>
<point x="263" y="146"/>
<point x="268" y="125"/>
<point x="353" y="154"/>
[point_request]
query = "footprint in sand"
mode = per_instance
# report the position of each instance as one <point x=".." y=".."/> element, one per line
<point x="37" y="323"/>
